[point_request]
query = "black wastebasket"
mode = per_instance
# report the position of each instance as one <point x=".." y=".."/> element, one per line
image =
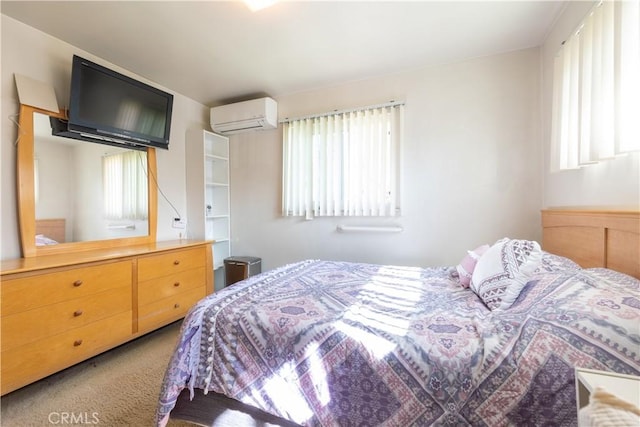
<point x="237" y="268"/>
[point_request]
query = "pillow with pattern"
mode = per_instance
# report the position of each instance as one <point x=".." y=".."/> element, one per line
<point x="504" y="270"/>
<point x="468" y="264"/>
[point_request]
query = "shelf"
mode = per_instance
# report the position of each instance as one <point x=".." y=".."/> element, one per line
<point x="214" y="146"/>
<point x="216" y="158"/>
<point x="221" y="250"/>
<point x="207" y="161"/>
<point x="216" y="170"/>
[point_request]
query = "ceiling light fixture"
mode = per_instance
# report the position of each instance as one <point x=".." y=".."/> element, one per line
<point x="256" y="5"/>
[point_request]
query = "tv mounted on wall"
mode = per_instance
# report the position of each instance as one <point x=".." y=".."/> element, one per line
<point x="110" y="108"/>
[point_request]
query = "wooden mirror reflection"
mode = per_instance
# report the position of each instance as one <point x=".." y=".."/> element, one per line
<point x="81" y="216"/>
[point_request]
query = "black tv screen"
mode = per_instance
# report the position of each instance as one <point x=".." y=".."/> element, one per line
<point x="112" y="107"/>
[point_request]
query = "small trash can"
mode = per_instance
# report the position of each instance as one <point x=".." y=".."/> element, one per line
<point x="237" y="268"/>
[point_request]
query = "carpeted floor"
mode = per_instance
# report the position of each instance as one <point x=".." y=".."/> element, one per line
<point x="117" y="388"/>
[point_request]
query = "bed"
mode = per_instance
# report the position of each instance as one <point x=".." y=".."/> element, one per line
<point x="491" y="341"/>
<point x="50" y="231"/>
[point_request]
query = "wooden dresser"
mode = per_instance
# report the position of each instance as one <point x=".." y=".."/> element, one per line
<point x="59" y="310"/>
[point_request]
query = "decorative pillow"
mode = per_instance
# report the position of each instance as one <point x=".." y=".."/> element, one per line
<point x="504" y="270"/>
<point x="468" y="264"/>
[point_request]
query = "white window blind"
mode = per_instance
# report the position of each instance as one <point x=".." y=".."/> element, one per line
<point x="124" y="183"/>
<point x="343" y="163"/>
<point x="596" y="96"/>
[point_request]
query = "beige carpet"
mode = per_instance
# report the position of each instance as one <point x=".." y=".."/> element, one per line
<point x="117" y="388"/>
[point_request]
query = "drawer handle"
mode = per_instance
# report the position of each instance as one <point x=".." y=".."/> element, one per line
<point x="77" y="343"/>
<point x="176" y="284"/>
<point x="77" y="313"/>
<point x="176" y="262"/>
<point x="176" y="305"/>
<point x="77" y="283"/>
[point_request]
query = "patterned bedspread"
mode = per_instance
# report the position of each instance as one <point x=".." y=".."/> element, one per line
<point x="343" y="344"/>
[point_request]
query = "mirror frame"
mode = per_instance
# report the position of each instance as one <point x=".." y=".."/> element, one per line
<point x="26" y="196"/>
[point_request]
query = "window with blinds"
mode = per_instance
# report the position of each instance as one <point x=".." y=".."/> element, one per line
<point x="124" y="184"/>
<point x="343" y="163"/>
<point x="596" y="97"/>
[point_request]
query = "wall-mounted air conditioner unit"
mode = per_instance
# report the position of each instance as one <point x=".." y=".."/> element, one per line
<point x="256" y="114"/>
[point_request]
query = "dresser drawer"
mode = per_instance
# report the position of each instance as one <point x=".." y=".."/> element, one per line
<point x="21" y="328"/>
<point x="164" y="311"/>
<point x="27" y="293"/>
<point x="30" y="362"/>
<point x="164" y="264"/>
<point x="160" y="288"/>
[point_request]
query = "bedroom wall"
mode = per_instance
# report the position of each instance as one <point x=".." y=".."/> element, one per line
<point x="35" y="54"/>
<point x="612" y="183"/>
<point x="471" y="167"/>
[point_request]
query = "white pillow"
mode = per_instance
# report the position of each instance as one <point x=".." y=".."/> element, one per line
<point x="504" y="270"/>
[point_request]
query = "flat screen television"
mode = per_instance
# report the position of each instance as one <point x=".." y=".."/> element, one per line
<point x="111" y="108"/>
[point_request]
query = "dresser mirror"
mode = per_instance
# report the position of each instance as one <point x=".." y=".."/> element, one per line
<point x="76" y="195"/>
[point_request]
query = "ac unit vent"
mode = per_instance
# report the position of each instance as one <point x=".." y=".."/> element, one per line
<point x="256" y="114"/>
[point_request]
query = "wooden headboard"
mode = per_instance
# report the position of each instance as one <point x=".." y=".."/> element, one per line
<point x="52" y="228"/>
<point x="594" y="238"/>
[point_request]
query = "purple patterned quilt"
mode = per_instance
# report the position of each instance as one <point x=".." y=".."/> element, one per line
<point x="343" y="344"/>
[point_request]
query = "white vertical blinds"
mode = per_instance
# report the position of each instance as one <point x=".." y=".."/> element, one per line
<point x="343" y="164"/>
<point x="125" y="186"/>
<point x="596" y="97"/>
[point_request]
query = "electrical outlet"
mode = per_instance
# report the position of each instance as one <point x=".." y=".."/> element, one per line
<point x="179" y="223"/>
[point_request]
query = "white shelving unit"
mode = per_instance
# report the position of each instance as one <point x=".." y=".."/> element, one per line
<point x="207" y="162"/>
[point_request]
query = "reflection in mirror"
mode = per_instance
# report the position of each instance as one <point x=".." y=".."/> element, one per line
<point x="85" y="191"/>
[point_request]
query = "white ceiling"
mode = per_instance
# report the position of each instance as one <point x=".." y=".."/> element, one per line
<point x="219" y="51"/>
